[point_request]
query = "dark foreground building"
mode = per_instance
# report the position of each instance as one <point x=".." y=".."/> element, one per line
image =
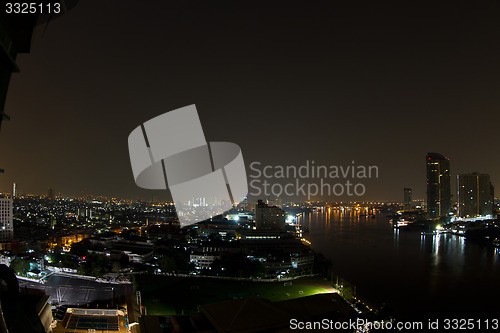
<point x="25" y="310"/>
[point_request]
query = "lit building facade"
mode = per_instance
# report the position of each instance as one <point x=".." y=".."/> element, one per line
<point x="438" y="186"/>
<point x="475" y="195"/>
<point x="203" y="261"/>
<point x="6" y="225"/>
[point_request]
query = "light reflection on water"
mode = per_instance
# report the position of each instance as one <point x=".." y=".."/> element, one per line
<point x="415" y="273"/>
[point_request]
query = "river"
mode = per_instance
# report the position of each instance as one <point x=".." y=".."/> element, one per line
<point x="418" y="276"/>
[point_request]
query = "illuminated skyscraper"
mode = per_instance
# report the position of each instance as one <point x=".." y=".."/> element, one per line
<point x="6" y="225"/>
<point x="438" y="186"/>
<point x="407" y="199"/>
<point x="475" y="195"/>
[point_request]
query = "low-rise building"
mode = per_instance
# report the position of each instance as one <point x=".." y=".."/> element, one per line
<point x="203" y="261"/>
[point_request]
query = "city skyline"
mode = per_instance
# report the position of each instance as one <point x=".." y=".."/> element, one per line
<point x="158" y="196"/>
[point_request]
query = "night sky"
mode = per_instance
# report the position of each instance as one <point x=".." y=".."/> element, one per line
<point x="329" y="81"/>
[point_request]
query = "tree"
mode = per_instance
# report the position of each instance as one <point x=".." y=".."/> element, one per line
<point x="168" y="264"/>
<point x="95" y="265"/>
<point x="124" y="261"/>
<point x="20" y="266"/>
<point x="238" y="265"/>
<point x="175" y="261"/>
<point x="80" y="248"/>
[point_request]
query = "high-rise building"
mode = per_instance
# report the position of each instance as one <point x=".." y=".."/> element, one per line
<point x="50" y="194"/>
<point x="475" y="195"/>
<point x="14" y="190"/>
<point x="269" y="217"/>
<point x="6" y="225"/>
<point x="408" y="198"/>
<point x="438" y="186"/>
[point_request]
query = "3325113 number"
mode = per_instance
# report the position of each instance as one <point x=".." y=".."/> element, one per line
<point x="32" y="8"/>
<point x="471" y="324"/>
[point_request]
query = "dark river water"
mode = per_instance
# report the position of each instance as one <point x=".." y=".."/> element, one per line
<point x="418" y="276"/>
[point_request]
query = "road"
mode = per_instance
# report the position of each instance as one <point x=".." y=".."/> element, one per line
<point x="65" y="290"/>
